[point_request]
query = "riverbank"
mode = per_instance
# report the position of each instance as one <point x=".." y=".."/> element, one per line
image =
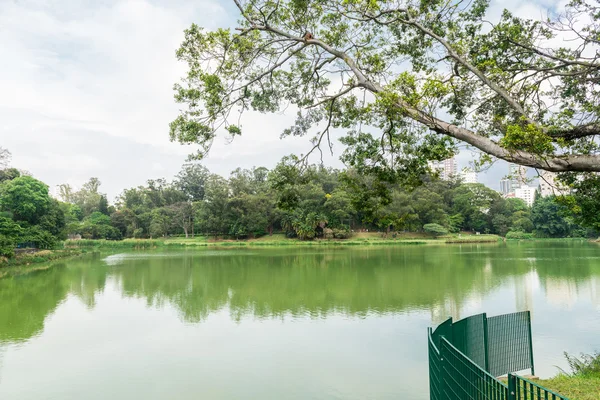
<point x="583" y="381"/>
<point x="574" y="387"/>
<point x="530" y="237"/>
<point x="360" y="239"/>
<point x="42" y="256"/>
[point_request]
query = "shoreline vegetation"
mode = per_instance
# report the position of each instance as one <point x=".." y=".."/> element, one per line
<point x="313" y="204"/>
<point x="582" y="383"/>
<point x="73" y="248"/>
<point x="22" y="260"/>
<point x="574" y="387"/>
<point x="279" y="239"/>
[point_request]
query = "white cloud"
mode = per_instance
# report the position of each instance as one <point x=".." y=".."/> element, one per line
<point x="85" y="80"/>
<point x="109" y="68"/>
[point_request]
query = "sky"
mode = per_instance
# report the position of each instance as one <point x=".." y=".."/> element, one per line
<point x="86" y="91"/>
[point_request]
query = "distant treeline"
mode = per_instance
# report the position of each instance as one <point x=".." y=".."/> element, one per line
<point x="303" y="201"/>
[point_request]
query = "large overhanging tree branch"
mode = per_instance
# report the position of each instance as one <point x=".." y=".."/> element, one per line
<point x="426" y="75"/>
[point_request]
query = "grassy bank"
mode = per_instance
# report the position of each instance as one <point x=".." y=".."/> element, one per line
<point x="539" y="239"/>
<point x="359" y="239"/>
<point x="42" y="256"/>
<point x="582" y="383"/>
<point x="574" y="387"/>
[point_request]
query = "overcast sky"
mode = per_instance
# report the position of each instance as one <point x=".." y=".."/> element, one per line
<point x="86" y="90"/>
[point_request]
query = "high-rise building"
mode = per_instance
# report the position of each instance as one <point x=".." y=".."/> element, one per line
<point x="549" y="185"/>
<point x="505" y="186"/>
<point x="468" y="175"/>
<point x="517" y="175"/>
<point x="447" y="168"/>
<point x="450" y="168"/>
<point x="526" y="193"/>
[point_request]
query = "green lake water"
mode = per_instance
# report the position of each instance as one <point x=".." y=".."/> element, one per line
<point x="287" y="323"/>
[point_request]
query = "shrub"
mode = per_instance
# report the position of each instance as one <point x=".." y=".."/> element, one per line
<point x="42" y="239"/>
<point x="259" y="232"/>
<point x="518" y="235"/>
<point x="328" y="233"/>
<point x="579" y="233"/>
<point x="435" y="229"/>
<point x="586" y="365"/>
<point x="7" y="247"/>
<point x="342" y="233"/>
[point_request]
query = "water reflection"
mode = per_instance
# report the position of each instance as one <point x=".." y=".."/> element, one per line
<point x="317" y="283"/>
<point x="292" y="323"/>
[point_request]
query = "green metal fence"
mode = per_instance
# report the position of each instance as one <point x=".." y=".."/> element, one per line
<point x="523" y="388"/>
<point x="509" y="346"/>
<point x="465" y="358"/>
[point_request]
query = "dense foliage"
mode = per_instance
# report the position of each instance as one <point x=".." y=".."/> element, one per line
<point x="304" y="202"/>
<point x="408" y="80"/>
<point x="585" y="365"/>
<point x="307" y="203"/>
<point x="584" y="201"/>
<point x="28" y="215"/>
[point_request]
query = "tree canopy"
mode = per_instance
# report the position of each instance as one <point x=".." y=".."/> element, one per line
<point x="28" y="214"/>
<point x="301" y="201"/>
<point x="408" y="80"/>
<point x="26" y="198"/>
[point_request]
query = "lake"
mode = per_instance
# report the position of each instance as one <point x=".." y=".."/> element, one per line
<point x="280" y="323"/>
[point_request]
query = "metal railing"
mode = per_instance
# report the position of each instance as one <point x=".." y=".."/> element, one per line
<point x="527" y="390"/>
<point x="465" y="358"/>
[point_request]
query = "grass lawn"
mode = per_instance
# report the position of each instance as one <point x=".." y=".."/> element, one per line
<point x="279" y="239"/>
<point x="573" y="387"/>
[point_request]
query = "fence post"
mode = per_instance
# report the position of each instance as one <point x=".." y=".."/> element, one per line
<point x="443" y="372"/>
<point x="485" y="344"/>
<point x="434" y="362"/>
<point x="450" y="337"/>
<point x="530" y="342"/>
<point x="512" y="387"/>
